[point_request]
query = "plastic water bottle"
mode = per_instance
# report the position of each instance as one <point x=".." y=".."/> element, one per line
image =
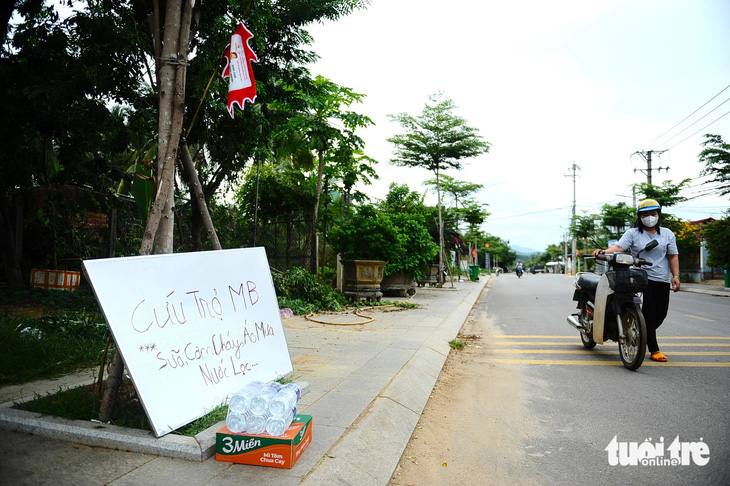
<point x="284" y="401"/>
<point x="236" y="422"/>
<point x="276" y="425"/>
<point x="294" y="387"/>
<point x="241" y="400"/>
<point x="256" y="423"/>
<point x="261" y="400"/>
<point x="274" y="385"/>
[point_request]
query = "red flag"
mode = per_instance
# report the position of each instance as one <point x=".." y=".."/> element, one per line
<point x="238" y="54"/>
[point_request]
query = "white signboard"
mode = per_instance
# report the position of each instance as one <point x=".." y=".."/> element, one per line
<point x="192" y="327"/>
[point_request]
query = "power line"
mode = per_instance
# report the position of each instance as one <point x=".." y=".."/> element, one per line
<point x="698" y="131"/>
<point x="698" y="109"/>
<point x="697" y="121"/>
<point x="527" y="214"/>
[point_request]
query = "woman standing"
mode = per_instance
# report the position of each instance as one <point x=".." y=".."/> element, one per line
<point x="663" y="273"/>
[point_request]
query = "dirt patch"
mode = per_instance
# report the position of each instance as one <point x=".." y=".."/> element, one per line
<point x="475" y="423"/>
<point x="307" y="362"/>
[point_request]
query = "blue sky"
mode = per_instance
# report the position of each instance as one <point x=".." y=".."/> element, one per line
<point x="548" y="84"/>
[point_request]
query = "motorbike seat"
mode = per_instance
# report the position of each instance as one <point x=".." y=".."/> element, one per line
<point x="588" y="281"/>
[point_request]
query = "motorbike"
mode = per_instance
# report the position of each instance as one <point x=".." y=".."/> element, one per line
<point x="609" y="306"/>
<point x="519" y="272"/>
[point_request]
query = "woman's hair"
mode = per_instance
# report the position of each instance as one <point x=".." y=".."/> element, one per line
<point x="640" y="225"/>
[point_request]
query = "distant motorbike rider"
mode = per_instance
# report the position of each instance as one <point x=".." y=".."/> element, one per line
<point x="664" y="272"/>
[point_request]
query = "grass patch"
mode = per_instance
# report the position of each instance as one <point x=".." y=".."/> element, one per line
<point x="53" y="344"/>
<point x="205" y="422"/>
<point x="82" y="403"/>
<point x="81" y="299"/>
<point x="457" y="344"/>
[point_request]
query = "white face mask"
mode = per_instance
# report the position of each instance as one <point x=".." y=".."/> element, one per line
<point x="650" y="221"/>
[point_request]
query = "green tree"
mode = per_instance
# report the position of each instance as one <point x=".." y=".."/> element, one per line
<point x="410" y="215"/>
<point x="436" y="140"/>
<point x="584" y="227"/>
<point x="283" y="194"/>
<point x="685" y="233"/>
<point x="551" y="254"/>
<point x="667" y="195"/>
<point x="716" y="157"/>
<point x="475" y="215"/>
<point x="615" y="219"/>
<point x="717" y="235"/>
<point x="59" y="75"/>
<point x="321" y="125"/>
<point x="499" y="249"/>
<point x="369" y="234"/>
<point x="458" y="191"/>
<point x="57" y="128"/>
<point x="394" y="230"/>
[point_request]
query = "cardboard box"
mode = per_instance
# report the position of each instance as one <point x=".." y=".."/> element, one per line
<point x="265" y="450"/>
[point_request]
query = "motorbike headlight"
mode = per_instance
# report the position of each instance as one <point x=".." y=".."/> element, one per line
<point x="624" y="259"/>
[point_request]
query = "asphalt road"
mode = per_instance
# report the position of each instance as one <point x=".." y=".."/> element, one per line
<point x="589" y="408"/>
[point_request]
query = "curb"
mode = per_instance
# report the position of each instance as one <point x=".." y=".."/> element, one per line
<point x="370" y="451"/>
<point x="198" y="448"/>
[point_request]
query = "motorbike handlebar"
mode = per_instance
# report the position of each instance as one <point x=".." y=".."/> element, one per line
<point x="610" y="257"/>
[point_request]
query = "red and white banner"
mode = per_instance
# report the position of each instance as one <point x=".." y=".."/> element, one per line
<point x="238" y="54"/>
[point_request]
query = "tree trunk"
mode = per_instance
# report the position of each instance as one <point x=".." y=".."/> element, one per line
<point x="315" y="215"/>
<point x="171" y="71"/>
<point x="11" y="237"/>
<point x="196" y="191"/>
<point x="323" y="259"/>
<point x="441" y="231"/>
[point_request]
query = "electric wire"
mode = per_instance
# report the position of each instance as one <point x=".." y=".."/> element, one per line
<point x="697" y="121"/>
<point x="492" y="218"/>
<point x="685" y="118"/>
<point x="698" y="131"/>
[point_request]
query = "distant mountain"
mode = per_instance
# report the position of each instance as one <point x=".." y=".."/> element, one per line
<point x="521" y="250"/>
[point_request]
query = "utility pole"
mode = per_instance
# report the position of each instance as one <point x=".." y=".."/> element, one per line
<point x="572" y="221"/>
<point x="647" y="157"/>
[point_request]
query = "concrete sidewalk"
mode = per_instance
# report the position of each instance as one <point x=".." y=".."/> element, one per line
<point x="368" y="385"/>
<point x="714" y="287"/>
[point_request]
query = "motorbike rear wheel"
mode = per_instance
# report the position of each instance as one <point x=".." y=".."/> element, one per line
<point x="586" y="337"/>
<point x="587" y="340"/>
<point x="633" y="347"/>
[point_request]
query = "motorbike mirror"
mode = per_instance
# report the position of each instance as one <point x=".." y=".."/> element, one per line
<point x="651" y="245"/>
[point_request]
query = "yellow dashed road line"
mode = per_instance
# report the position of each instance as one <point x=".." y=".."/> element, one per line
<point x="524" y="345"/>
<point x="548" y="343"/>
<point x="610" y="363"/>
<point x="613" y="351"/>
<point x="573" y="336"/>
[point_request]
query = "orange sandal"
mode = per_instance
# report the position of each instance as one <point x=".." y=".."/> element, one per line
<point x="659" y="356"/>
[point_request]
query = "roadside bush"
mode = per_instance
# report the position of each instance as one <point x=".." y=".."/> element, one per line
<point x="305" y="293"/>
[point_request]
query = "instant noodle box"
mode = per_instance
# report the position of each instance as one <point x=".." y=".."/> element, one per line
<point x="265" y="450"/>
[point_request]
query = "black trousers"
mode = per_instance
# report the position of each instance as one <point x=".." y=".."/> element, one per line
<point x="654" y="308"/>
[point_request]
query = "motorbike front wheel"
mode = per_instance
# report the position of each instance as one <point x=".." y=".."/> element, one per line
<point x="633" y="347"/>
